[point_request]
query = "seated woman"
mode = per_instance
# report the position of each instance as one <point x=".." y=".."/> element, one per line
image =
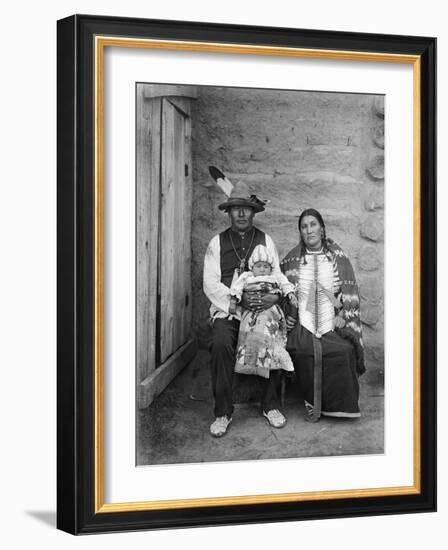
<point x="325" y="341"/>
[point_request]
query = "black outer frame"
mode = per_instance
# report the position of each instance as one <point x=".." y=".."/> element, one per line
<point x="75" y="294"/>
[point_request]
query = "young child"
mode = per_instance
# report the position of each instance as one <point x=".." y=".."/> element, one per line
<point x="262" y="335"/>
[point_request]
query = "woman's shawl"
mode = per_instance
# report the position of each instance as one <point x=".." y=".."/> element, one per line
<point x="349" y="294"/>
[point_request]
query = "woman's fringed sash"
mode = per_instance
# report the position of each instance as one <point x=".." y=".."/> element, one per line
<point x="314" y="414"/>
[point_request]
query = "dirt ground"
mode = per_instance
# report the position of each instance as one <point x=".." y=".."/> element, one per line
<point x="175" y="428"/>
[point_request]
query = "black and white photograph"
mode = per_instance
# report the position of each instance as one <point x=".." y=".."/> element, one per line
<point x="259" y="246"/>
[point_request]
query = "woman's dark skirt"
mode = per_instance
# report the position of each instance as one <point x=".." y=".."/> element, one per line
<point x="340" y="387"/>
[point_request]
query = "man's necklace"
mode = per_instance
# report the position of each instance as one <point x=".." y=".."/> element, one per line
<point x="240" y="259"/>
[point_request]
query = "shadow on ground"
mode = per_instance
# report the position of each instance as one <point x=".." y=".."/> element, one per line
<point x="47" y="517"/>
<point x="175" y="428"/>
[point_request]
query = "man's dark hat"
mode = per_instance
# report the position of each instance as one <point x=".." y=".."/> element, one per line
<point x="237" y="194"/>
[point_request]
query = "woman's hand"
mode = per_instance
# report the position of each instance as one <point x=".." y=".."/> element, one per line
<point x="258" y="303"/>
<point x="339" y="322"/>
<point x="290" y="322"/>
<point x="293" y="299"/>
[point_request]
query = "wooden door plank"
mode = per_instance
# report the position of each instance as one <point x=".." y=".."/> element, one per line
<point x="179" y="236"/>
<point x="175" y="314"/>
<point x="142" y="260"/>
<point x="154" y="228"/>
<point x="147" y="205"/>
<point x="167" y="226"/>
<point x="188" y="199"/>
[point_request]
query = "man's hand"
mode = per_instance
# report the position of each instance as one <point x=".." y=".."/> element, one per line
<point x="257" y="303"/>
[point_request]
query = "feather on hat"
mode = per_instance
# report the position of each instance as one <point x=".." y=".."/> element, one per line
<point x="237" y="194"/>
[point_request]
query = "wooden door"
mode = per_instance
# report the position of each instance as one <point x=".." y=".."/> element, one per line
<point x="175" y="231"/>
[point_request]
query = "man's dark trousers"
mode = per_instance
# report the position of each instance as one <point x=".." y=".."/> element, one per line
<point x="224" y="341"/>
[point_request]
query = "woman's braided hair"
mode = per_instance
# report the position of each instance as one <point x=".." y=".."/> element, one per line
<point x="317" y="215"/>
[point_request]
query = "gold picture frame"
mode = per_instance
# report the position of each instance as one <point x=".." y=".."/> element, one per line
<point x="82" y="41"/>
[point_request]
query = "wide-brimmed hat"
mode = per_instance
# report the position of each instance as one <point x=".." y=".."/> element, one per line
<point x="238" y="194"/>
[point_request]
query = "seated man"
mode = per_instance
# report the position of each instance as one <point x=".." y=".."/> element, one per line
<point x="225" y="259"/>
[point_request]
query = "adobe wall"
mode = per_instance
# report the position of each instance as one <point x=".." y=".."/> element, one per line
<point x="299" y="150"/>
